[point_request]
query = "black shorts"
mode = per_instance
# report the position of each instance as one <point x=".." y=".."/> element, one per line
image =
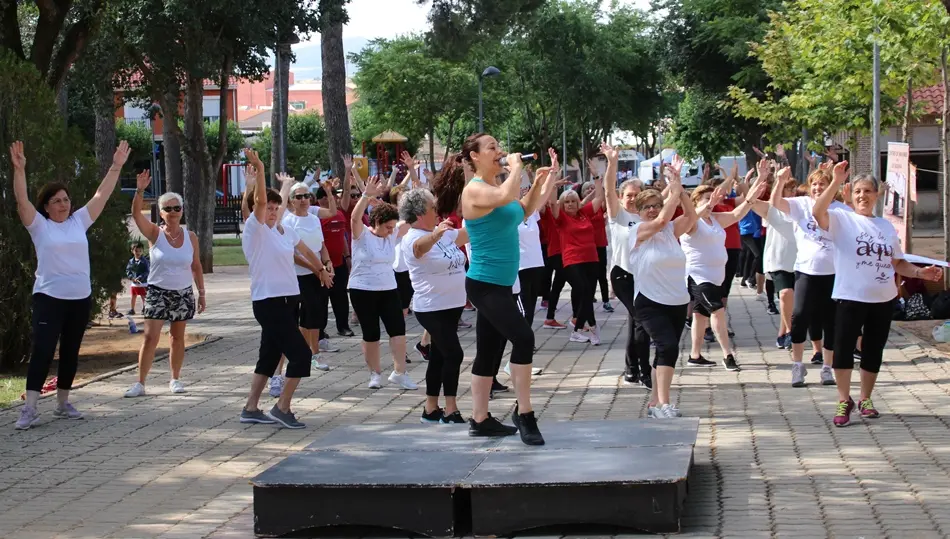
<point x="782" y="280"/>
<point x="404" y="286"/>
<point x="312" y="313"/>
<point x="707" y="297"/>
<point x="373" y="306"/>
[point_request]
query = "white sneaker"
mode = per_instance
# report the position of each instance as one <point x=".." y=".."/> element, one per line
<point x="579" y="336"/>
<point x="760" y="297"/>
<point x="327" y="346"/>
<point x="508" y="368"/>
<point x="595" y="335"/>
<point x="137" y="390"/>
<point x="403" y="380"/>
<point x="175" y="386"/>
<point x="375" y="381"/>
<point x="276" y="385"/>
<point x="534" y="370"/>
<point x="317" y="364"/>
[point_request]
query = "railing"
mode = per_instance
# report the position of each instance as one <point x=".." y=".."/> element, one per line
<point x="144" y="122"/>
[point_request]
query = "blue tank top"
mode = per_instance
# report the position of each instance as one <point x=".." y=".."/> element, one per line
<point x="495" y="250"/>
<point x="751" y="224"/>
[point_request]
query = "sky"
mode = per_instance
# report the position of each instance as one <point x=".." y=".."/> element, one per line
<point x="372" y="19"/>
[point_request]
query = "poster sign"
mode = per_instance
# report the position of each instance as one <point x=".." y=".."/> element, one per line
<point x="898" y="167"/>
<point x="913" y="182"/>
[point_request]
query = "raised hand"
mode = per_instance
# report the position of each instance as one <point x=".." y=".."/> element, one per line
<point x="284" y="178"/>
<point x="428" y="174"/>
<point x="609" y="152"/>
<point x="442" y="228"/>
<point x="783" y="175"/>
<point x="930" y="273"/>
<point x="253" y="159"/>
<point x="841" y="172"/>
<point x="407" y="159"/>
<point x="810" y="158"/>
<point x="17" y="157"/>
<point x="121" y="154"/>
<point x="143" y="179"/>
<point x="373" y="186"/>
<point x="826" y="165"/>
<point x="347" y="162"/>
<point x="758" y="188"/>
<point x="676" y="166"/>
<point x="779" y="150"/>
<point x="763" y="167"/>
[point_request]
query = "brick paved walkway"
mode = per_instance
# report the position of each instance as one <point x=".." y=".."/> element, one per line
<point x="768" y="464"/>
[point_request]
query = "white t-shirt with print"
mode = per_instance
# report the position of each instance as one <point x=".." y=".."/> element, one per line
<point x="311" y="234"/>
<point x="619" y="229"/>
<point x="865" y="251"/>
<point x="529" y="241"/>
<point x="270" y="259"/>
<point x="780" y="248"/>
<point x="373" y="259"/>
<point x="438" y="277"/>
<point x="62" y="255"/>
<point x="815" y="250"/>
<point x="659" y="266"/>
<point x="399" y="263"/>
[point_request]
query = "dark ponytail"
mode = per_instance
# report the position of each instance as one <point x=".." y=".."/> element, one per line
<point x="450" y="181"/>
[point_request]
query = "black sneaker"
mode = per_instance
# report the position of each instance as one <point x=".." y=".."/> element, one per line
<point x="490" y="427"/>
<point x="257" y="416"/>
<point x="435" y="416"/>
<point x="730" y="363"/>
<point x="700" y="362"/>
<point x="454" y="417"/>
<point x="817" y="359"/>
<point x="498" y="387"/>
<point x="857" y="355"/>
<point x="528" y="427"/>
<point x="772" y="309"/>
<point x="709" y="337"/>
<point x="646" y="382"/>
<point x="345" y="332"/>
<point x="780" y="342"/>
<point x="689" y="323"/>
<point x="423" y="350"/>
<point x="287" y="419"/>
<point x="608" y="307"/>
<point x="630" y="378"/>
<point x="730" y="333"/>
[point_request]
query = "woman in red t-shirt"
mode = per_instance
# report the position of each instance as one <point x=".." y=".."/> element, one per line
<point x="554" y="265"/>
<point x="579" y="256"/>
<point x="599" y="220"/>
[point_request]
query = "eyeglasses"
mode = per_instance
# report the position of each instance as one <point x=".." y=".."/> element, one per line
<point x="302" y="197"/>
<point x="59" y="200"/>
<point x="656" y="206"/>
<point x="171" y="209"/>
<point x="354" y="196"/>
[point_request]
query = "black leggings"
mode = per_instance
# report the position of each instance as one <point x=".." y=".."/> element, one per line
<point x="602" y="275"/>
<point x="583" y="279"/>
<point x="339" y="300"/>
<point x="313" y="303"/>
<point x="280" y="336"/>
<point x="498" y="320"/>
<point x="532" y="286"/>
<point x="546" y="279"/>
<point x="56" y="320"/>
<point x="855" y="318"/>
<point x="732" y="265"/>
<point x="557" y="286"/>
<point x="664" y="324"/>
<point x="445" y="354"/>
<point x="637" y="358"/>
<point x="753" y="258"/>
<point x="814" y="309"/>
<point x="371" y="306"/>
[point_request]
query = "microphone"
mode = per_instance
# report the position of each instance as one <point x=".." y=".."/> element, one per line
<point x="524" y="157"/>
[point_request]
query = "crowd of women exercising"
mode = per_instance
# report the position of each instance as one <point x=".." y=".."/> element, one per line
<point x="472" y="236"/>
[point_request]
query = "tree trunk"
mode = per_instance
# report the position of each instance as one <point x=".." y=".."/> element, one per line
<point x="105" y="129"/>
<point x="198" y="173"/>
<point x="431" y="145"/>
<point x="173" y="164"/>
<point x="278" y="156"/>
<point x="448" y="143"/>
<point x="334" y="95"/>
<point x="945" y="155"/>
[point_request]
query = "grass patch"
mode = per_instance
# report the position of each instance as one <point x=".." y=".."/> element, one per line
<point x="226" y="242"/>
<point x="229" y="256"/>
<point x="11" y="387"/>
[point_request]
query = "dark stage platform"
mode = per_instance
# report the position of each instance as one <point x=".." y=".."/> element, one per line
<point x="435" y="480"/>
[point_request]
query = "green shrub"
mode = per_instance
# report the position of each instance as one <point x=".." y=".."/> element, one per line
<point x="28" y="112"/>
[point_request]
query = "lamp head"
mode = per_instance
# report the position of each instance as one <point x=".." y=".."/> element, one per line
<point x="491" y="71"/>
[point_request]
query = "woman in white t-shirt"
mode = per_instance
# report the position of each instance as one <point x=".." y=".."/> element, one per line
<point x="621" y="217"/>
<point x="62" y="293"/>
<point x="867" y="254"/>
<point x="437" y="271"/>
<point x="175" y="263"/>
<point x="705" y="247"/>
<point x="313" y="295"/>
<point x="269" y="249"/>
<point x="814" y="310"/>
<point x="400" y="267"/>
<point x="659" y="272"/>
<point x="372" y="285"/>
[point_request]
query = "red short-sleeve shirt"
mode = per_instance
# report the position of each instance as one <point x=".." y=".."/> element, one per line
<point x="577" y="236"/>
<point x="334" y="236"/>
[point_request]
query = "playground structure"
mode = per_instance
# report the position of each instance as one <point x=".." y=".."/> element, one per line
<point x="382" y="156"/>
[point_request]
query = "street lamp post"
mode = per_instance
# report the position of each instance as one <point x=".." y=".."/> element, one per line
<point x="490" y="71"/>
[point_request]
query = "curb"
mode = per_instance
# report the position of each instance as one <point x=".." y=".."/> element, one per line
<point x="930" y="349"/>
<point x="116" y="372"/>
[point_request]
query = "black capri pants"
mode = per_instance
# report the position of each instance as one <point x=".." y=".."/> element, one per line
<point x="532" y="286"/>
<point x="814" y="308"/>
<point x="637" y="357"/>
<point x="56" y="320"/>
<point x="313" y="302"/>
<point x="583" y="280"/>
<point x="498" y="320"/>
<point x="557" y="285"/>
<point x="855" y="318"/>
<point x="371" y="306"/>
<point x="445" y="355"/>
<point x="707" y="297"/>
<point x="732" y="265"/>
<point x="404" y="286"/>
<point x="280" y="336"/>
<point x="753" y="261"/>
<point x="664" y="324"/>
<point x="602" y="275"/>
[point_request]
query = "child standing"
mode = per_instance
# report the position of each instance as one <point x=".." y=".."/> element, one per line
<point x="137" y="272"/>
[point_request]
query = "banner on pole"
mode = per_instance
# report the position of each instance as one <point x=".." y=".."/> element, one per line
<point x="913" y="182"/>
<point x="898" y="163"/>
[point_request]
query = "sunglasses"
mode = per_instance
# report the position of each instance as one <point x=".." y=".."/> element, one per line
<point x="354" y="196"/>
<point x="656" y="206"/>
<point x="302" y="197"/>
<point x="171" y="209"/>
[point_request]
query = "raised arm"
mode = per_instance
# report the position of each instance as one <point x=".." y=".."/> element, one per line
<point x="598" y="200"/>
<point x="98" y="201"/>
<point x="25" y="210"/>
<point x="648" y="229"/>
<point x="610" y="196"/>
<point x="197" y="271"/>
<point x="727" y="219"/>
<point x="345" y="195"/>
<point x="356" y="218"/>
<point x="147" y="228"/>
<point x="286" y="181"/>
<point x="490" y="197"/>
<point x="260" y="188"/>
<point x="331" y="209"/>
<point x="538" y="193"/>
<point x="425" y="244"/>
<point x="688" y="220"/>
<point x="250" y="175"/>
<point x="839" y="175"/>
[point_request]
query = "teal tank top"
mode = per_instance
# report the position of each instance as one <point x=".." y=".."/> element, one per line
<point x="494" y="238"/>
